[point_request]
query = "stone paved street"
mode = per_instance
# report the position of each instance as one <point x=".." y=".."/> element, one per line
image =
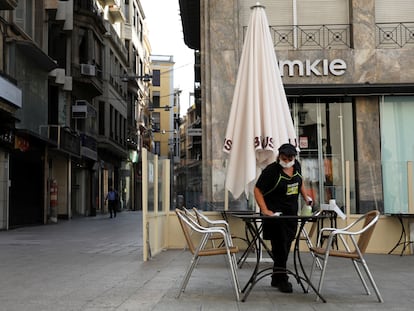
<point x="95" y="263"/>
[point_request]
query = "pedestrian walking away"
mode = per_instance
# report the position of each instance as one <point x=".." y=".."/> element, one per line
<point x="111" y="197"/>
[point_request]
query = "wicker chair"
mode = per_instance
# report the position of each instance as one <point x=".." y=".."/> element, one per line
<point x="358" y="239"/>
<point x="189" y="226"/>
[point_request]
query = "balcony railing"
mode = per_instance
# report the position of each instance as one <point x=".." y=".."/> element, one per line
<point x="311" y="37"/>
<point x="394" y="35"/>
<point x="65" y="138"/>
<point x="89" y="146"/>
<point x="338" y="36"/>
<point x="116" y="14"/>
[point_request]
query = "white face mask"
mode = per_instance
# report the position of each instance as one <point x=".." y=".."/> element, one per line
<point x="287" y="164"/>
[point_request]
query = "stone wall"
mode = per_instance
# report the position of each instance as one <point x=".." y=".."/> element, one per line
<point x="221" y="45"/>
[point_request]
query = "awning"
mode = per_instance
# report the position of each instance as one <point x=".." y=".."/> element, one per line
<point x="7" y="119"/>
<point x="105" y="145"/>
<point x="190" y="19"/>
<point x="33" y="52"/>
<point x="26" y="140"/>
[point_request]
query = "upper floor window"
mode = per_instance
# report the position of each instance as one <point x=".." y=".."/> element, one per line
<point x="126" y="10"/>
<point x="156" y="77"/>
<point x="306" y="24"/>
<point x="24" y="16"/>
<point x="156" y="99"/>
<point x="156" y="121"/>
<point x="157" y="147"/>
<point x="394" y="11"/>
<point x="83" y="45"/>
<point x="141" y="31"/>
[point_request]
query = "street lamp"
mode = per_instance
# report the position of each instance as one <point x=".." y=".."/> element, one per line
<point x="145" y="78"/>
<point x="174" y="132"/>
<point x="166" y="108"/>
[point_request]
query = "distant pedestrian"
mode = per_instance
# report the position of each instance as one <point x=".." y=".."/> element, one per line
<point x="111" y="197"/>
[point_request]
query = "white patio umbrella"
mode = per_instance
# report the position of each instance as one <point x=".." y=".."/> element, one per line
<point x="259" y="120"/>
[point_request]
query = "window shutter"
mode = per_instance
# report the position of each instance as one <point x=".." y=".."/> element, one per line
<point x="322" y="12"/>
<point x="309" y="12"/>
<point x="278" y="12"/>
<point x="387" y="11"/>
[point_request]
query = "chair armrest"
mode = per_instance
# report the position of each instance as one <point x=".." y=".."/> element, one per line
<point x="328" y="229"/>
<point x="217" y="222"/>
<point x="207" y="231"/>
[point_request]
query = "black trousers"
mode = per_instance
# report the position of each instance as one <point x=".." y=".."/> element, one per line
<point x="112" y="207"/>
<point x="281" y="237"/>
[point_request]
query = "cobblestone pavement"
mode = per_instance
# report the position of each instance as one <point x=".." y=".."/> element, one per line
<point x="95" y="263"/>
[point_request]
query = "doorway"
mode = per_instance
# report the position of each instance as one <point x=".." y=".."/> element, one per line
<point x="324" y="127"/>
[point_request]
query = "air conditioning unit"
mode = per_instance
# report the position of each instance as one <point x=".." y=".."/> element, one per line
<point x="80" y="109"/>
<point x="88" y="70"/>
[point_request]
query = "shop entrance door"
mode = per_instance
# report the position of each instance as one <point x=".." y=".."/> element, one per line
<point x="325" y="138"/>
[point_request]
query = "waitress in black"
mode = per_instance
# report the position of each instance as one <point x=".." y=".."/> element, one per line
<point x="277" y="190"/>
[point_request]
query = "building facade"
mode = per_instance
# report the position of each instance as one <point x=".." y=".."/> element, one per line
<point x="74" y="80"/>
<point x="189" y="173"/>
<point x="163" y="107"/>
<point x="164" y="112"/>
<point x="25" y="67"/>
<point x="348" y="75"/>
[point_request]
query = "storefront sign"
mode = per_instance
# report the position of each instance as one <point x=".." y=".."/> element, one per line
<point x="319" y="67"/>
<point x="10" y="92"/>
<point x="21" y="143"/>
<point x="7" y="136"/>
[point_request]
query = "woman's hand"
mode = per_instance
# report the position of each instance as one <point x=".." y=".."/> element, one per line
<point x="261" y="202"/>
<point x="267" y="212"/>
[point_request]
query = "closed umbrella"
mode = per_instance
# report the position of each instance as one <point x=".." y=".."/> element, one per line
<point x="260" y="119"/>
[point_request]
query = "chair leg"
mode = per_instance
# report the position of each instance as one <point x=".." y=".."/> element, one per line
<point x="324" y="265"/>
<point x="188" y="273"/>
<point x="361" y="277"/>
<point x="311" y="270"/>
<point x="233" y="269"/>
<point x="315" y="258"/>
<point x="310" y="245"/>
<point x="358" y="270"/>
<point x="371" y="279"/>
<point x="318" y="262"/>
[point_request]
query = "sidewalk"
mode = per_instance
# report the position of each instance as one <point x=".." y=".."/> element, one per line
<point x="95" y="263"/>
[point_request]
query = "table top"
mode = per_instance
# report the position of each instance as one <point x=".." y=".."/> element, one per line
<point x="235" y="211"/>
<point x="407" y="215"/>
<point x="254" y="216"/>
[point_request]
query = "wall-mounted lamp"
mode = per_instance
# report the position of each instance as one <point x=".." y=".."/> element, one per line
<point x="163" y="131"/>
<point x="168" y="131"/>
<point x="166" y="108"/>
<point x="146" y="78"/>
